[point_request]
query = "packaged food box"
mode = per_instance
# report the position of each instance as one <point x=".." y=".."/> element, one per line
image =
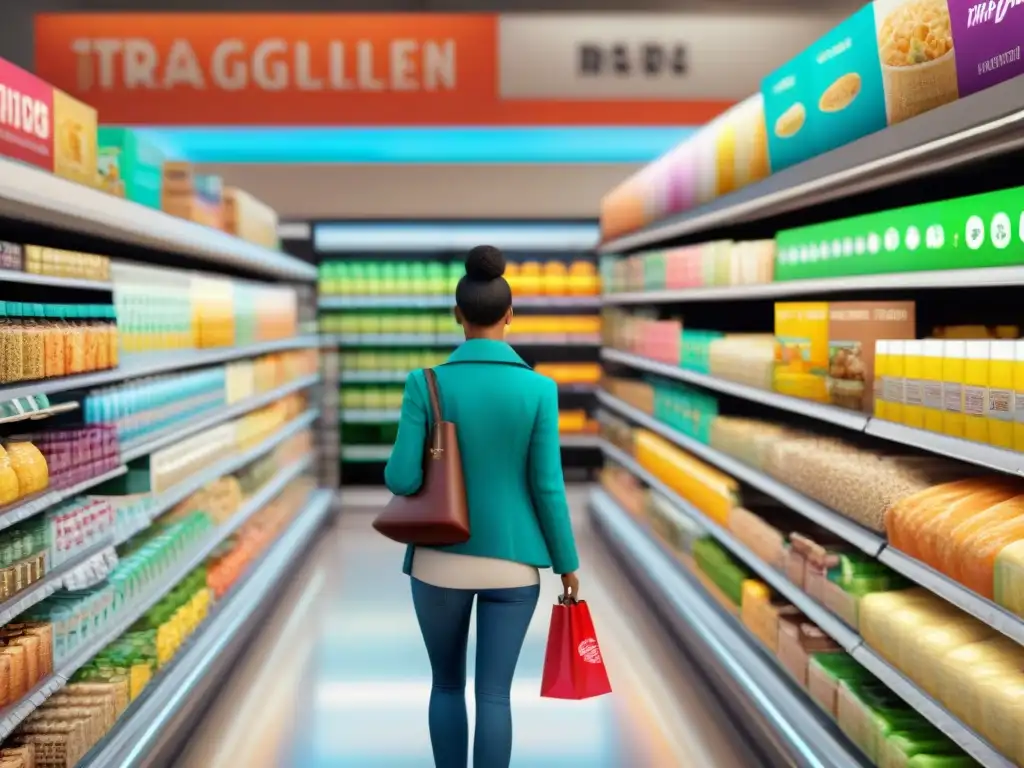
<point x="856" y="576"/>
<point x="962" y="671"/>
<point x="798" y="640"/>
<point x="721" y="568"/>
<point x="760" y="536"/>
<point x="826" y="671"/>
<point x="801" y="349"/>
<point x="761" y="612"/>
<point x="845" y="83"/>
<point x="853" y="330"/>
<point x="130" y="166"/>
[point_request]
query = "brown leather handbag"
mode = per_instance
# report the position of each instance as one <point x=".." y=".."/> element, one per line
<point x="437" y="514"/>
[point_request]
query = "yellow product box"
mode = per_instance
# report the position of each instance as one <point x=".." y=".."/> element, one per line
<point x="913" y="386"/>
<point x="801" y="350"/>
<point x="881" y="371"/>
<point x="976" y="390"/>
<point x="999" y="410"/>
<point x="249" y="218"/>
<point x="895" y="380"/>
<point x="725" y="154"/>
<point x="75" y="140"/>
<point x="954" y="354"/>
<point x="931" y="386"/>
<point x="1018" y="396"/>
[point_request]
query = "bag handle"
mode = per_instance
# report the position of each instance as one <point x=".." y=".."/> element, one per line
<point x="436" y="417"/>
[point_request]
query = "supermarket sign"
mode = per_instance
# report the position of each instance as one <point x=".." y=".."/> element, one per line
<point x="411" y="69"/>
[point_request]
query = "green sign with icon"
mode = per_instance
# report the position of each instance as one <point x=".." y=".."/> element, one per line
<point x="968" y="232"/>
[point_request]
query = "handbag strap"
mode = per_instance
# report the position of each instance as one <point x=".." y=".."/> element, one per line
<point x="435" y="396"/>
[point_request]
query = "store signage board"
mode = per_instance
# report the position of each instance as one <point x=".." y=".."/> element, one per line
<point x="984" y="230"/>
<point x="409" y="69"/>
<point x="26" y="117"/>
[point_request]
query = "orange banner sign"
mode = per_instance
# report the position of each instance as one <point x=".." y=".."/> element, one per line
<point x="308" y="69"/>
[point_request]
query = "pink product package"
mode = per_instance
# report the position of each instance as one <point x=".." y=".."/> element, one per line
<point x="74" y="456"/>
<point x="660" y="341"/>
<point x="684" y="268"/>
<point x="680" y="179"/>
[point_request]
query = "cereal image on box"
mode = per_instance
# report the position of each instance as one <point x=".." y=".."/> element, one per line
<point x="841" y="93"/>
<point x="791" y="121"/>
<point x="915" y="43"/>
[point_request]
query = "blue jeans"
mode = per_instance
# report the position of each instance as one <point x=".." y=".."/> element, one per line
<point x="502" y="617"/>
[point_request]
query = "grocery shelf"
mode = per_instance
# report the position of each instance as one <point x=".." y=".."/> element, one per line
<point x="980" y="125"/>
<point x="50" y="583"/>
<point x="984" y="277"/>
<point x="370" y="416"/>
<point x="174" y="496"/>
<point x="832" y="625"/>
<point x="447" y="301"/>
<point x="846" y="637"/>
<point x="988" y="456"/>
<point x="453" y="340"/>
<point x="790" y="718"/>
<point x="32" y="195"/>
<point x="373" y="377"/>
<point x="23" y="510"/>
<point x="570" y="440"/>
<point x="152" y="363"/>
<point x="368" y="453"/>
<point x="838" y="416"/>
<point x="13" y="715"/>
<point x="137" y="448"/>
<point x="869" y="542"/>
<point x="969" y="741"/>
<point x="864" y="539"/>
<point x="397" y="340"/>
<point x="52" y="281"/>
<point x="176" y="687"/>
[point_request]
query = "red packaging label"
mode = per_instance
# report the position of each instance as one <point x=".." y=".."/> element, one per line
<point x="26" y="117"/>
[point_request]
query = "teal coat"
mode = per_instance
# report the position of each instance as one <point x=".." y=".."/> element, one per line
<point x="507" y="421"/>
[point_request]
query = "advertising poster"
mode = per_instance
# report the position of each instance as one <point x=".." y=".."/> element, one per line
<point x="789" y="117"/>
<point x="915" y="45"/>
<point x="987" y="37"/>
<point x="26" y="117"/>
<point x="846" y="82"/>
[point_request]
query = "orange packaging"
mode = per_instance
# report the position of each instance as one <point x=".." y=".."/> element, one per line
<point x="75" y="140"/>
<point x="979" y="552"/>
<point x="949" y="554"/>
<point x="945" y="518"/>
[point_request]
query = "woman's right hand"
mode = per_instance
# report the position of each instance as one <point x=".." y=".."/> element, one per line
<point x="570" y="586"/>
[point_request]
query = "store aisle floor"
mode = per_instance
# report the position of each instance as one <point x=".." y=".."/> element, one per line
<point x="340" y="678"/>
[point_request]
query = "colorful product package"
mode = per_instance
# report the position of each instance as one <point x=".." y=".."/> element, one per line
<point x="846" y="83"/>
<point x="853" y="330"/>
<point x="75" y="131"/>
<point x="789" y="111"/>
<point x="915" y="45"/>
<point x="987" y="39"/>
<point x="801" y="349"/>
<point x="28" y="140"/>
<point x="130" y="166"/>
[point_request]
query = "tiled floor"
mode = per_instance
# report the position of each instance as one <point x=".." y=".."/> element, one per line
<point x="340" y="678"/>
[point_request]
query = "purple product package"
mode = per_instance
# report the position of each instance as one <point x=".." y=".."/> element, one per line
<point x="987" y="39"/>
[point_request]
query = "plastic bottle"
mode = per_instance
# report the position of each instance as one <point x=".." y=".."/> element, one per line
<point x="53" y="342"/>
<point x="74" y="340"/>
<point x="33" y="358"/>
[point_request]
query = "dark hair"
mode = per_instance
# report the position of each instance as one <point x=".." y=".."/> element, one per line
<point x="483" y="295"/>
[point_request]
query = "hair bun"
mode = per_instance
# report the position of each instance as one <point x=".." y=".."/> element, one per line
<point x="485" y="262"/>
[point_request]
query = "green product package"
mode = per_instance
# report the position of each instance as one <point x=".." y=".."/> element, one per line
<point x="127" y="157"/>
<point x="985" y="230"/>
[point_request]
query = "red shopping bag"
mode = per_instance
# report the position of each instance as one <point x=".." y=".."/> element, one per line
<point x="573" y="665"/>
